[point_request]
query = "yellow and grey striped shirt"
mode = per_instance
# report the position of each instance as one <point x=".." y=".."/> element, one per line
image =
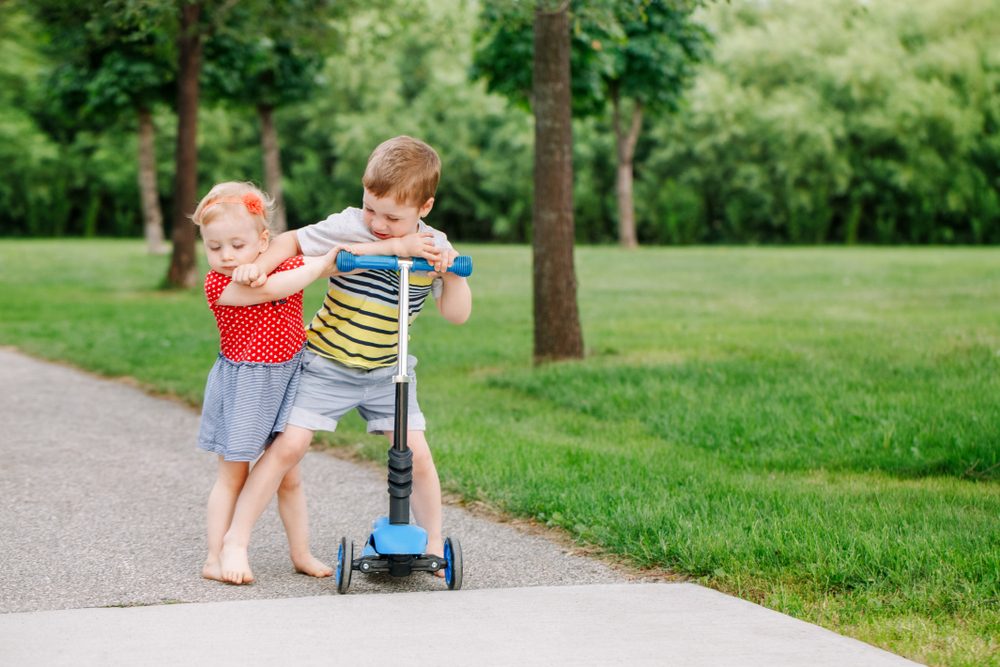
<point x="357" y="325"/>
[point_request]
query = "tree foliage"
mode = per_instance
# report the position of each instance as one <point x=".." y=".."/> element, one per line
<point x="268" y="56"/>
<point x="634" y="57"/>
<point x="843" y="121"/>
<point x="644" y="49"/>
<point x="271" y="52"/>
<point x="97" y="73"/>
<point x="815" y="122"/>
<point x="108" y="62"/>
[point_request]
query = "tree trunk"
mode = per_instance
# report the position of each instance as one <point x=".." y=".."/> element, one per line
<point x="625" y="141"/>
<point x="149" y="195"/>
<point x="182" y="262"/>
<point x="272" y="166"/>
<point x="557" y="319"/>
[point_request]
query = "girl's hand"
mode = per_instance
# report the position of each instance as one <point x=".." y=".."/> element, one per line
<point x="249" y="275"/>
<point x="356" y="249"/>
<point x="329" y="262"/>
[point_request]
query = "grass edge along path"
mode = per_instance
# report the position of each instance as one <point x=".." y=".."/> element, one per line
<point x="909" y="565"/>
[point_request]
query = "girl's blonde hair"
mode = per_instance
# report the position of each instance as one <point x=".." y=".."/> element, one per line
<point x="234" y="197"/>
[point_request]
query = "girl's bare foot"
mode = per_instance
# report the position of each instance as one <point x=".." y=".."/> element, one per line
<point x="309" y="564"/>
<point x="235" y="565"/>
<point x="212" y="570"/>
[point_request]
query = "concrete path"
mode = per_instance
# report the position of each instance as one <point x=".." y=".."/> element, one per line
<point x="101" y="540"/>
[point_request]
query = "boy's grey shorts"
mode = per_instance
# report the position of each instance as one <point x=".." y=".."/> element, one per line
<point x="328" y="390"/>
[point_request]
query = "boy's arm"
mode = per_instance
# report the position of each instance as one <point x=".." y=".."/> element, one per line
<point x="455" y="302"/>
<point x="282" y="284"/>
<point x="418" y="244"/>
<point x="281" y="248"/>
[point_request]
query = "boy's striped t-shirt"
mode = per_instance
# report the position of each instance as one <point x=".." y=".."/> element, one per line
<point x="358" y="325"/>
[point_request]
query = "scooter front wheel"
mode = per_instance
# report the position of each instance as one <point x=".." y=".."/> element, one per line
<point x="345" y="558"/>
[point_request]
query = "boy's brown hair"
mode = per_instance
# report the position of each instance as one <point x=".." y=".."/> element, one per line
<point x="405" y="169"/>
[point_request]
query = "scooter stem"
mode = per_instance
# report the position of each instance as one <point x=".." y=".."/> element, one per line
<point x="400" y="456"/>
<point x="404" y="320"/>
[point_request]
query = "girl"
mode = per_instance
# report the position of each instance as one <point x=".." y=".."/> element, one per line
<point x="252" y="385"/>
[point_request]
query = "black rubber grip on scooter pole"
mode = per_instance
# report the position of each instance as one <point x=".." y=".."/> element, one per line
<point x="400" y="485"/>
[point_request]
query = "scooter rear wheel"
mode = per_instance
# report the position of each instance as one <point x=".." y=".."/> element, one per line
<point x="453" y="563"/>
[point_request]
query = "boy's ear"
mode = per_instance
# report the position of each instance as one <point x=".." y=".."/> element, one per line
<point x="426" y="208"/>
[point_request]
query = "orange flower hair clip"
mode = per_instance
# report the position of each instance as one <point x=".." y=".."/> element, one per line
<point x="253" y="203"/>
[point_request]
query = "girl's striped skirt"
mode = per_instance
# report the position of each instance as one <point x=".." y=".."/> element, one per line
<point x="246" y="405"/>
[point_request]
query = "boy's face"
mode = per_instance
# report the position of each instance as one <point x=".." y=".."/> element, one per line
<point x="387" y="219"/>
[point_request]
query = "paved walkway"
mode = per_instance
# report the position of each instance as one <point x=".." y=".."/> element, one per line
<point x="101" y="540"/>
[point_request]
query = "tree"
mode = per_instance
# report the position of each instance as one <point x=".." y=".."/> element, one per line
<point x="542" y="37"/>
<point x="221" y="18"/>
<point x="556" y="317"/>
<point x="651" y="66"/>
<point x="110" y="67"/>
<point x="270" y="56"/>
<point x="190" y="45"/>
<point x="836" y="122"/>
<point x="636" y="55"/>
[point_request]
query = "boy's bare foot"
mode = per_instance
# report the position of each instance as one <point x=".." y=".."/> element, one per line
<point x="312" y="566"/>
<point x="212" y="570"/>
<point x="235" y="565"/>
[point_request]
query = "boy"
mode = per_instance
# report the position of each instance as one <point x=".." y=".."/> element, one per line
<point x="352" y="340"/>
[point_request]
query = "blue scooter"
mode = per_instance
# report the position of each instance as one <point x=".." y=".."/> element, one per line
<point x="396" y="546"/>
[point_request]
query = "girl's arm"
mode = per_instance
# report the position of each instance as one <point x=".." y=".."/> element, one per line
<point x="420" y="244"/>
<point x="281" y="285"/>
<point x="281" y="248"/>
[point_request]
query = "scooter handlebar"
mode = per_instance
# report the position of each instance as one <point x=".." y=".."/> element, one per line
<point x="346" y="262"/>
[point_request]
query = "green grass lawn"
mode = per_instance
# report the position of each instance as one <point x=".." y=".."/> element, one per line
<point x="816" y="430"/>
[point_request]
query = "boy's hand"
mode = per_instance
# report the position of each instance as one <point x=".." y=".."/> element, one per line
<point x="419" y="244"/>
<point x="443" y="262"/>
<point x="249" y="275"/>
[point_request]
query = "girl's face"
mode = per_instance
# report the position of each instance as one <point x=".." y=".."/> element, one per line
<point x="231" y="241"/>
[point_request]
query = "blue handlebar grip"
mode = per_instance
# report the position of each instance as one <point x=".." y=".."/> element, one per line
<point x="346" y="262"/>
<point x="462" y="266"/>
